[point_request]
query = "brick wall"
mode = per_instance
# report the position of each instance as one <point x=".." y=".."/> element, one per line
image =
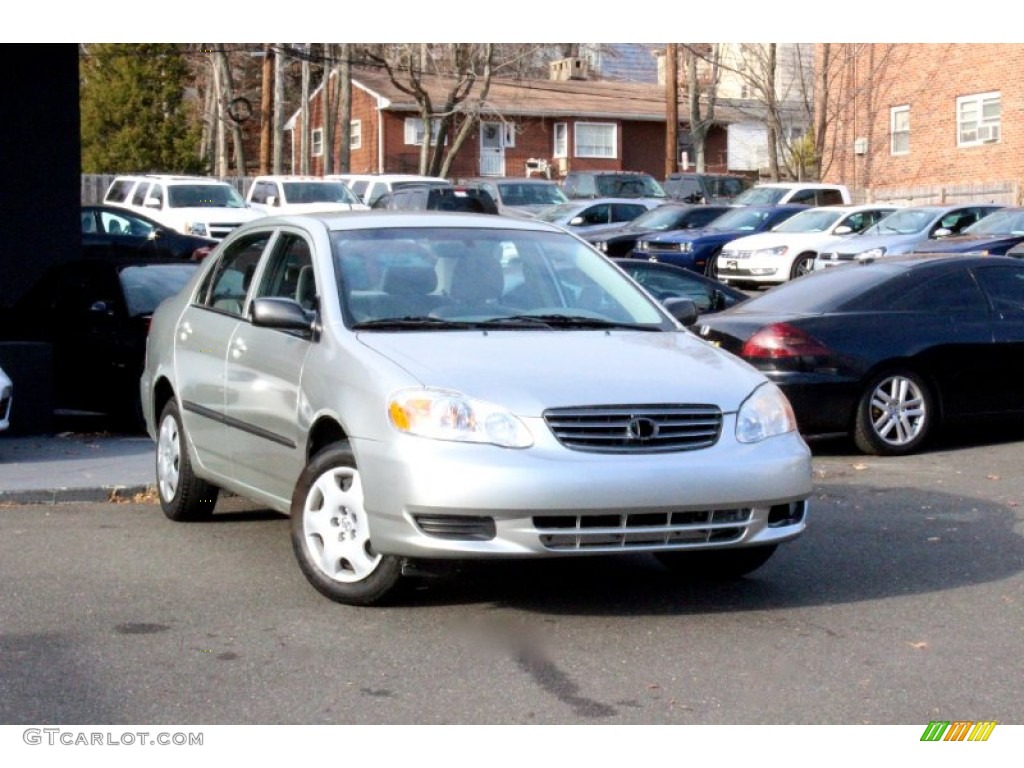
<point x="872" y="79"/>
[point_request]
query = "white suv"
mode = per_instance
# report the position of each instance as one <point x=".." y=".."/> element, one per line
<point x="193" y="205"/>
<point x="301" y="194"/>
<point x="803" y="192"/>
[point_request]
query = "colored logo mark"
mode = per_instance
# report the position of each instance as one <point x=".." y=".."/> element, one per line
<point x="958" y="730"/>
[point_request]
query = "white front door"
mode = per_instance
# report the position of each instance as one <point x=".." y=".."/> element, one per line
<point x="492" y="149"/>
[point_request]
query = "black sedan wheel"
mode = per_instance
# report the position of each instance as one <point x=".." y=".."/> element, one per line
<point x="895" y="414"/>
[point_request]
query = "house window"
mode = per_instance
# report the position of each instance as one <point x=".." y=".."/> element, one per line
<point x="355" y="136"/>
<point x="318" y="142"/>
<point x="414" y="130"/>
<point x="978" y="119"/>
<point x="561" y="140"/>
<point x="596" y="140"/>
<point x="899" y="130"/>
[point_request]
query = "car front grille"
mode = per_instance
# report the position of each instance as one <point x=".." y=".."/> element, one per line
<point x="642" y="530"/>
<point x="636" y="429"/>
<point x="221" y="230"/>
<point x="728" y="253"/>
<point x="834" y="256"/>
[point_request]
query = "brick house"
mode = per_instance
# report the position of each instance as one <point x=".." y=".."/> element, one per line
<point x="570" y="124"/>
<point x="927" y="122"/>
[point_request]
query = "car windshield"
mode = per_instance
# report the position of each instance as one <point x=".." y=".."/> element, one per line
<point x="318" y="192"/>
<point x="909" y="221"/>
<point x="761" y="196"/>
<point x="820" y="291"/>
<point x="660" y="219"/>
<point x="628" y="185"/>
<point x="560" y="212"/>
<point x="145" y="286"/>
<point x="451" y="279"/>
<point x="203" y="196"/>
<point x="810" y="221"/>
<point x="1009" y="222"/>
<point x="741" y="219"/>
<point x="531" y="194"/>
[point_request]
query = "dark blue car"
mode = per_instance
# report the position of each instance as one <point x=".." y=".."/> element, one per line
<point x="993" y="235"/>
<point x="696" y="249"/>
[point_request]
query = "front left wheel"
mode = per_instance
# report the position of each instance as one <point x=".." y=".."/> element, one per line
<point x="330" y="532"/>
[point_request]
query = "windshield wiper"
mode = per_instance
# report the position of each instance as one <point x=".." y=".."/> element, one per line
<point x="412" y="323"/>
<point x="571" y="321"/>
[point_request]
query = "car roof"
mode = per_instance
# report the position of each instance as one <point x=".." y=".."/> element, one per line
<point x="386" y="219"/>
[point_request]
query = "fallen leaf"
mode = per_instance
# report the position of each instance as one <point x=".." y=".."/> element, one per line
<point x="859" y="467"/>
<point x="918" y="646"/>
<point x="992" y="477"/>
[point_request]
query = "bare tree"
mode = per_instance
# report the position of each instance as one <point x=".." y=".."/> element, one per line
<point x="266" y="108"/>
<point x="702" y="66"/>
<point x="671" y="109"/>
<point x="345" y="107"/>
<point x="449" y="83"/>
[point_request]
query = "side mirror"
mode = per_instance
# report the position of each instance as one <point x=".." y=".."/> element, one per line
<point x="273" y="200"/>
<point x="575" y="221"/>
<point x="283" y="314"/>
<point x="683" y="310"/>
<point x="943" y="232"/>
<point x="152" y="202"/>
<point x="843" y="230"/>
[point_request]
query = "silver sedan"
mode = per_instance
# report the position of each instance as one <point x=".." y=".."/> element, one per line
<point x="411" y="388"/>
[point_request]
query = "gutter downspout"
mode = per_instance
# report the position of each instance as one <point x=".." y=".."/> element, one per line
<point x="382" y="104"/>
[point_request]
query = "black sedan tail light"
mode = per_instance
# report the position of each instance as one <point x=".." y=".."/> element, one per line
<point x="784" y="346"/>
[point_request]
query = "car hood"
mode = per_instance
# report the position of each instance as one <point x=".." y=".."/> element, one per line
<point x="964" y="243"/>
<point x="529" y="371"/>
<point x="775" y="239"/>
<point x="892" y="243"/>
<point x="291" y="208"/>
<point x="200" y="213"/>
<point x="692" y="235"/>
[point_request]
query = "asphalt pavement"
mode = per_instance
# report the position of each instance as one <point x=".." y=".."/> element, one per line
<point x="75" y="466"/>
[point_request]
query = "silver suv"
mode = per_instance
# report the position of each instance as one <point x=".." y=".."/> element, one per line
<point x="412" y="388"/>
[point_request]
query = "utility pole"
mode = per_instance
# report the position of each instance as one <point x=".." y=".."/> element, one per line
<point x="266" y="108"/>
<point x="671" y="110"/>
<point x="345" y="149"/>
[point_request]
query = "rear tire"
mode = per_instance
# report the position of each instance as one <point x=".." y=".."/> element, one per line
<point x="330" y="532"/>
<point x="894" y="415"/>
<point x="717" y="565"/>
<point x="184" y="497"/>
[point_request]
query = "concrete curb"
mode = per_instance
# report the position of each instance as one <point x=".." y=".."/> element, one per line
<point x="123" y="494"/>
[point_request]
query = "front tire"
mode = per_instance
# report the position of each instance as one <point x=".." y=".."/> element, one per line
<point x="894" y="415"/>
<point x="711" y="267"/>
<point x="719" y="564"/>
<point x="184" y="497"/>
<point x="802" y="265"/>
<point x="330" y="532"/>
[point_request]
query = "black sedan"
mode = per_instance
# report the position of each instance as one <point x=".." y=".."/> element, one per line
<point x="110" y="232"/>
<point x="885" y="351"/>
<point x="667" y="281"/>
<point x="620" y="241"/>
<point x="95" y="313"/>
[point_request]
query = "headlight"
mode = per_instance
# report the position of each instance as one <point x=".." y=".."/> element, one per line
<point x="641" y="245"/>
<point x="601" y="246"/>
<point x="764" y="414"/>
<point x="686" y="247"/>
<point x="197" y="228"/>
<point x="445" y="415"/>
<point x="873" y="253"/>
<point x="777" y="251"/>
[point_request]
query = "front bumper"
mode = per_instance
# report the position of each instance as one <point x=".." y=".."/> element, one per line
<point x="435" y="499"/>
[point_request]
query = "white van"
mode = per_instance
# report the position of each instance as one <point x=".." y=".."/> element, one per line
<point x="802" y="192"/>
<point x="301" y="194"/>
<point x="193" y="205"/>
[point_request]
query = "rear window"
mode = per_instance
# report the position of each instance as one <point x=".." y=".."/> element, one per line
<point x="823" y="291"/>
